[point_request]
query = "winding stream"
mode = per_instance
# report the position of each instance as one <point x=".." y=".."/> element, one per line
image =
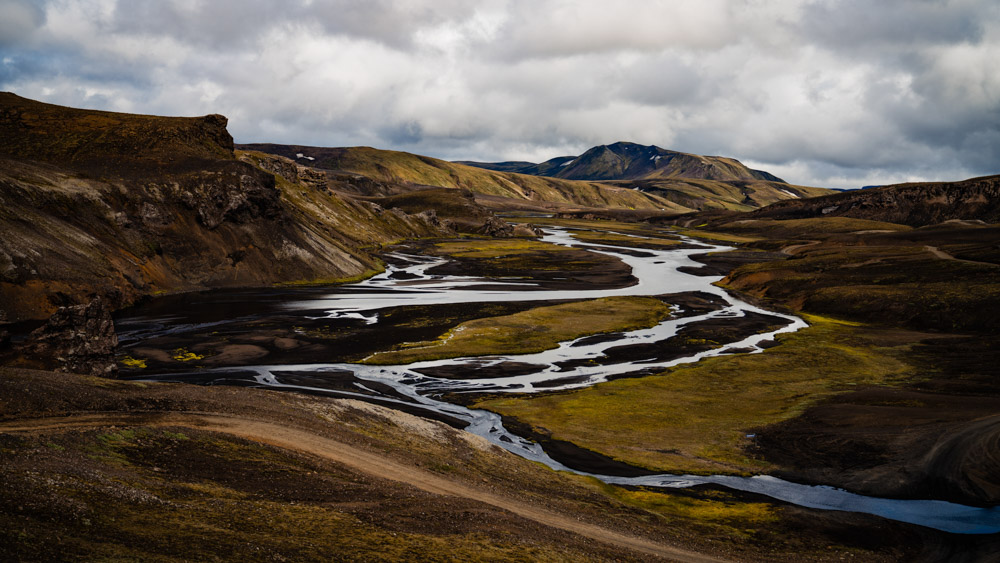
<point x="407" y="282"/>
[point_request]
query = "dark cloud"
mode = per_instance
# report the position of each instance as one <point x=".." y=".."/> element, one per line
<point x="863" y="26"/>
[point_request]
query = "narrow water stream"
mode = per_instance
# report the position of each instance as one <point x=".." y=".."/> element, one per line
<point x="407" y="282"/>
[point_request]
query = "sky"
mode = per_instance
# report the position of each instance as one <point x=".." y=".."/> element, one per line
<point x="833" y="93"/>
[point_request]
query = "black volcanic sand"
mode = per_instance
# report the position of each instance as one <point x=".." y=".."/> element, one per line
<point x="476" y="370"/>
<point x="255" y="330"/>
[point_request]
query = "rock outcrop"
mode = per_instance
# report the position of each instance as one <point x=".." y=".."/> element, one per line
<point x="77" y="339"/>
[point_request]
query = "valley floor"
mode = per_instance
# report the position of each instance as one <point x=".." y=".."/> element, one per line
<point x="897" y="408"/>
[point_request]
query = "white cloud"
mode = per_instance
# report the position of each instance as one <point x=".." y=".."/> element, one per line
<point x="822" y="91"/>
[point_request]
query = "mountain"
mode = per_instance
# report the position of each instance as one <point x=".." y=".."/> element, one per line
<point x="124" y="206"/>
<point x="548" y="168"/>
<point x="690" y="181"/>
<point x="913" y="204"/>
<point x="631" y="161"/>
<point x="501" y="187"/>
<point x="410" y="171"/>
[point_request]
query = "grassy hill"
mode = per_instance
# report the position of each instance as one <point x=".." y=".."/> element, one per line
<point x="667" y="195"/>
<point x="421" y="171"/>
<point x="101" y="142"/>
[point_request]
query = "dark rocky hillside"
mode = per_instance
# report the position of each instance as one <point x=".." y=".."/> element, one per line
<point x="123" y="206"/>
<point x="916" y="204"/>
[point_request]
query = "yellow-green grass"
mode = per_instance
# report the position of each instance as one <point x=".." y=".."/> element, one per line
<point x="604" y="237"/>
<point x="185" y="355"/>
<point x="600" y="224"/>
<point x="335" y="280"/>
<point x="493" y="248"/>
<point x="404" y="167"/>
<point x="534" y="330"/>
<point x="694" y="418"/>
<point x="715" y="512"/>
<point x="144" y="513"/>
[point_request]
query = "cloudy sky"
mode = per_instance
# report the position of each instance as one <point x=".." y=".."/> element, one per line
<point x="838" y="93"/>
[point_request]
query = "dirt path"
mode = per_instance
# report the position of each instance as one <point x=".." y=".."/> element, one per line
<point x="359" y="460"/>
<point x="938" y="253"/>
<point x="793" y="249"/>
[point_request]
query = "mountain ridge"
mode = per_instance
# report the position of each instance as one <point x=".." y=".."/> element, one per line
<point x="507" y="189"/>
<point x="631" y="161"/>
<point x="915" y="203"/>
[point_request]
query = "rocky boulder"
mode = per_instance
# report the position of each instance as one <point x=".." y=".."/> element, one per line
<point x="78" y="339"/>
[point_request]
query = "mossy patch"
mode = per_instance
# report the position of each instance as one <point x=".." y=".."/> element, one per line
<point x="494" y="248"/>
<point x="185" y="355"/>
<point x="133" y="363"/>
<point x="336" y="280"/>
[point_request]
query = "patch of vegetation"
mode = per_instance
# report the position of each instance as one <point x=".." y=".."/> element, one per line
<point x="534" y="330"/>
<point x="335" y="280"/>
<point x="494" y="248"/>
<point x="191" y="506"/>
<point x="133" y="363"/>
<point x="185" y="355"/>
<point x="696" y="417"/>
<point x="712" y="235"/>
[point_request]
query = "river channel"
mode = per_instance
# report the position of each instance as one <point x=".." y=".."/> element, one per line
<point x="418" y="387"/>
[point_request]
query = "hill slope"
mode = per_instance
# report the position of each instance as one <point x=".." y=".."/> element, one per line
<point x="914" y="204"/>
<point x="422" y="171"/>
<point x="503" y="187"/>
<point x="125" y="206"/>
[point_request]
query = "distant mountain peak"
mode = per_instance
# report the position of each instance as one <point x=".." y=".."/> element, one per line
<point x="624" y="160"/>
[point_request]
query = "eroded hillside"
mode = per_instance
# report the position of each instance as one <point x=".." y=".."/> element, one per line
<point x="125" y="206"/>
